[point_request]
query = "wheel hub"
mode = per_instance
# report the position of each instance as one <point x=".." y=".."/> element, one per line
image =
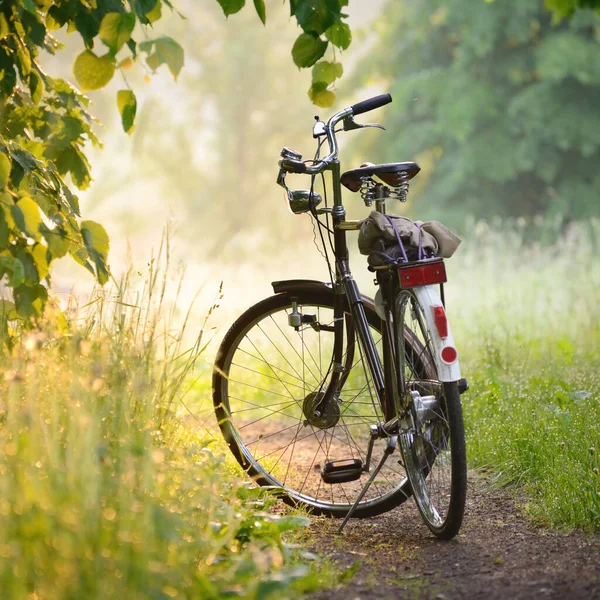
<point x="319" y="413"/>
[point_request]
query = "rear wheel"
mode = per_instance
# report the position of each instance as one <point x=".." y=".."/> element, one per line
<point x="431" y="435"/>
<point x="268" y="390"/>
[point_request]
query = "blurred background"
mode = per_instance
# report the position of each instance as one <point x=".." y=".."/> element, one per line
<point x="498" y="105"/>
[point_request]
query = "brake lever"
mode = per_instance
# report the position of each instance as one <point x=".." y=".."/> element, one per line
<point x="350" y="124"/>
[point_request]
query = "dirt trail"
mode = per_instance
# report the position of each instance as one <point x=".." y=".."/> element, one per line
<point x="496" y="555"/>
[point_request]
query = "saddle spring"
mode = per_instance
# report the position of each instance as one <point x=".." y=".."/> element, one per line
<point x="400" y="192"/>
<point x="369" y="189"/>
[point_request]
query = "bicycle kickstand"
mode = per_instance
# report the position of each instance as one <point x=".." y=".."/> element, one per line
<point x="391" y="446"/>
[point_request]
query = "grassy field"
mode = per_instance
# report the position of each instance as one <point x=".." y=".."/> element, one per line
<point x="105" y="492"/>
<point x="527" y="318"/>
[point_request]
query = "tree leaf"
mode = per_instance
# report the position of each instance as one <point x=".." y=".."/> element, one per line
<point x="3" y="230"/>
<point x="36" y="87"/>
<point x="317" y="15"/>
<point x="326" y="72"/>
<point x="5" y="167"/>
<point x="155" y="14"/>
<point x="230" y="7"/>
<point x="339" y="35"/>
<point x="308" y="49"/>
<point x="127" y="105"/>
<point x="93" y="72"/>
<point x="30" y="300"/>
<point x="320" y="95"/>
<point x="14" y="268"/>
<point x="97" y="244"/>
<point x="4" y="29"/>
<point x="39" y="253"/>
<point x="261" y="10"/>
<point x="26" y="214"/>
<point x="57" y="240"/>
<point x="7" y="310"/>
<point x="164" y="50"/>
<point x="116" y="29"/>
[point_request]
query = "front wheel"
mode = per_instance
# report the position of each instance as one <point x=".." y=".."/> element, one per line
<point x="431" y="432"/>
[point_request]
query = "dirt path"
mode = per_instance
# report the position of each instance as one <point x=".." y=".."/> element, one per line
<point x="496" y="555"/>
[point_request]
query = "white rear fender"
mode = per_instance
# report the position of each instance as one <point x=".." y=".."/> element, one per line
<point x="444" y="350"/>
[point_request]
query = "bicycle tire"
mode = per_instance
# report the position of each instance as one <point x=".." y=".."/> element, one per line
<point x="242" y="437"/>
<point x="431" y="436"/>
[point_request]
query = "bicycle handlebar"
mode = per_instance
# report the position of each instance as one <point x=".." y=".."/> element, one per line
<point x="296" y="166"/>
<point x="370" y="104"/>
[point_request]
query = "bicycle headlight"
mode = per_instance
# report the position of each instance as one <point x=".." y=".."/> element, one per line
<point x="302" y="201"/>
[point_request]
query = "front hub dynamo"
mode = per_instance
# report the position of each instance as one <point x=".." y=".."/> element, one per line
<point x="320" y="414"/>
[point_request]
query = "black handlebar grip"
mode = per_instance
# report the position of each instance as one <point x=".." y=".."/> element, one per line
<point x="371" y="104"/>
<point x="292" y="166"/>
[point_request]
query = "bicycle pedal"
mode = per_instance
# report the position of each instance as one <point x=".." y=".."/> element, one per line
<point x="463" y="385"/>
<point x="342" y="471"/>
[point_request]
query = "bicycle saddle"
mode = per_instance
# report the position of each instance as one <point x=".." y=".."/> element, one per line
<point x="388" y="173"/>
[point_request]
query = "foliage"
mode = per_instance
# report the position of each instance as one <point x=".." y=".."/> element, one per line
<point x="44" y="126"/>
<point x="496" y="103"/>
<point x="106" y="491"/>
<point x="323" y="26"/>
<point x="566" y="8"/>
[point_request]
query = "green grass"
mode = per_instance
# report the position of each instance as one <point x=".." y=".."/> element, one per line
<point x="528" y="323"/>
<point x="104" y="491"/>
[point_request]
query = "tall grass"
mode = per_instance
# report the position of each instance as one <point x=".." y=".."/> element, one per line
<point x="527" y="317"/>
<point x="104" y="493"/>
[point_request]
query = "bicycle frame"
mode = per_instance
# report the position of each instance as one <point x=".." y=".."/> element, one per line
<point x="345" y="284"/>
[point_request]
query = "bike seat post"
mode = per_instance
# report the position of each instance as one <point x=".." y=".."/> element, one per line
<point x="382" y="194"/>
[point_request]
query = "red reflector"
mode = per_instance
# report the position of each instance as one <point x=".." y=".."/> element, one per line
<point x="441" y="323"/>
<point x="422" y="274"/>
<point x="449" y="354"/>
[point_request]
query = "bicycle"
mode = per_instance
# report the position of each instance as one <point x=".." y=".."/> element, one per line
<point x="315" y="384"/>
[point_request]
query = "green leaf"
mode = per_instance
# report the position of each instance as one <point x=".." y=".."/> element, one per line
<point x="24" y="61"/>
<point x="72" y="160"/>
<point x="164" y="50"/>
<point x="29" y="5"/>
<point x="3" y="230"/>
<point x="116" y="29"/>
<point x="26" y="214"/>
<point x="5" y="167"/>
<point x="57" y="240"/>
<point x="93" y="72"/>
<point x="155" y="14"/>
<point x="97" y="244"/>
<point x="7" y="310"/>
<point x="230" y="7"/>
<point x="36" y="87"/>
<point x="30" y="300"/>
<point x="320" y="95"/>
<point x="127" y="106"/>
<point x="308" y="49"/>
<point x="39" y="252"/>
<point x="261" y="10"/>
<point x="14" y="268"/>
<point x="4" y="30"/>
<point x="339" y="35"/>
<point x="317" y="15"/>
<point x="326" y="72"/>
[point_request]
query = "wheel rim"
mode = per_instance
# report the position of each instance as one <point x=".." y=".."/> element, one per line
<point x="272" y="373"/>
<point x="424" y="437"/>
